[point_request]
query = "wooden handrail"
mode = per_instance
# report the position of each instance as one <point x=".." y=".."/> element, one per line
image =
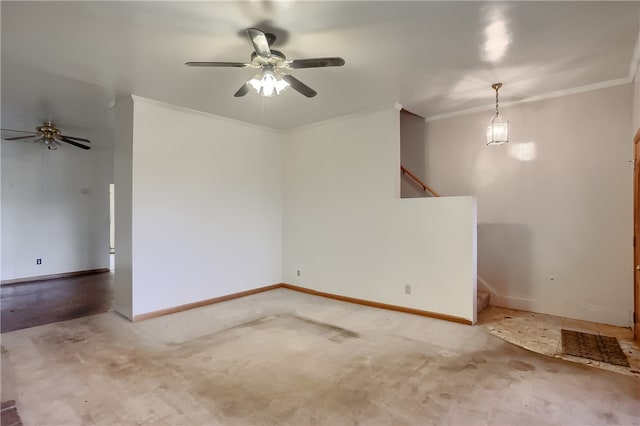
<point x="406" y="111"/>
<point x="424" y="186"/>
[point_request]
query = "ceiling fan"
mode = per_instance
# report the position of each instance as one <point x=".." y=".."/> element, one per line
<point x="274" y="67"/>
<point x="50" y="136"/>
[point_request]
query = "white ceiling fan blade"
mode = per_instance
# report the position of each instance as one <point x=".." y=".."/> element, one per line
<point x="299" y="86"/>
<point x="243" y="90"/>
<point x="260" y="42"/>
<point x="217" y="64"/>
<point x="316" y="63"/>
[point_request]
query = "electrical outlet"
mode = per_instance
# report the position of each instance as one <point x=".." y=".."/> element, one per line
<point x="298" y="272"/>
<point x="407" y="289"/>
<point x="38" y="261"/>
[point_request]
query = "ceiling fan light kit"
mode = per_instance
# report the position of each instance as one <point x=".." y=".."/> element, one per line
<point x="274" y="77"/>
<point x="268" y="83"/>
<point x="498" y="128"/>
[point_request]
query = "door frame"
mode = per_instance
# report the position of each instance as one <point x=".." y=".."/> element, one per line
<point x="636" y="235"/>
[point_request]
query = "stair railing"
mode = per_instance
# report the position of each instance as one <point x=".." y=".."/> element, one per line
<point x="424" y="186"/>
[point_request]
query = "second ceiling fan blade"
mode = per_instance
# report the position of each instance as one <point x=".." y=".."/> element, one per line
<point x="20" y="137"/>
<point x="299" y="86"/>
<point x="18" y="131"/>
<point x="76" y="139"/>
<point x="69" y="141"/>
<point x="217" y="64"/>
<point x="316" y="63"/>
<point x="260" y="42"/>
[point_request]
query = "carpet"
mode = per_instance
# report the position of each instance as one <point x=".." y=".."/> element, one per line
<point x="593" y="346"/>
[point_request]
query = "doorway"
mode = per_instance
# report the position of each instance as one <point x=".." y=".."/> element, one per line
<point x="112" y="226"/>
<point x="636" y="235"/>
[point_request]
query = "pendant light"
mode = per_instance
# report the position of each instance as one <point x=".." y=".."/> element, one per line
<point x="498" y="128"/>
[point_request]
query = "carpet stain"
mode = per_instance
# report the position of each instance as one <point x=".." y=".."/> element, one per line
<point x="610" y="418"/>
<point x="342" y="332"/>
<point x="281" y="321"/>
<point x="454" y="368"/>
<point x="521" y="366"/>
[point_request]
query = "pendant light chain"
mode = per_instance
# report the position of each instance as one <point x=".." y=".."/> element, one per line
<point x="496" y="87"/>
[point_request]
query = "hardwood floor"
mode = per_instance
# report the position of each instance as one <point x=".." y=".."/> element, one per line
<point x="36" y="303"/>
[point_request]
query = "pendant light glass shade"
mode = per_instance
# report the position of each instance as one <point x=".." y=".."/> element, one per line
<point x="498" y="128"/>
<point x="51" y="143"/>
<point x="497" y="131"/>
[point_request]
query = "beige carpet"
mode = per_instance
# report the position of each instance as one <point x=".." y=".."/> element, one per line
<point x="295" y="359"/>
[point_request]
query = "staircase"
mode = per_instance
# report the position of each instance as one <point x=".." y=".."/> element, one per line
<point x="482" y="295"/>
<point x="483" y="299"/>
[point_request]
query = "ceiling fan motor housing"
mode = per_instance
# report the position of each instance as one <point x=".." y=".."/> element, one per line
<point x="48" y="130"/>
<point x="277" y="59"/>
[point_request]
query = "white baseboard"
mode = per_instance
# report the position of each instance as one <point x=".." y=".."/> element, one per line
<point x="591" y="313"/>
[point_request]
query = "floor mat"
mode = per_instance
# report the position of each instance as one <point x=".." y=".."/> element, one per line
<point x="593" y="346"/>
<point x="10" y="416"/>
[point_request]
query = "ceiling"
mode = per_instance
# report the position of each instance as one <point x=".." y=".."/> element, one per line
<point x="71" y="61"/>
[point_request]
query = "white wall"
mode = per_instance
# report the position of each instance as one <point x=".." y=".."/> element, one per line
<point x="349" y="233"/>
<point x="55" y="206"/>
<point x="554" y="205"/>
<point x="123" y="172"/>
<point x="206" y="206"/>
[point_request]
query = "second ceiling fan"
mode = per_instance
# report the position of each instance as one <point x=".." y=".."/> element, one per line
<point x="273" y="77"/>
<point x="50" y="136"/>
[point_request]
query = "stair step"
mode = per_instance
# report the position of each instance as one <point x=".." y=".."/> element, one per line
<point x="483" y="299"/>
